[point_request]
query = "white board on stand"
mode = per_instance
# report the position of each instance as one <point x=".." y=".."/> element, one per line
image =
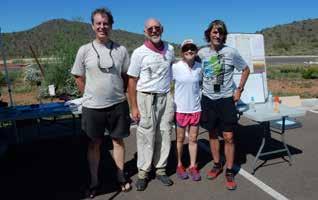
<point x="251" y="48"/>
<point x="254" y="87"/>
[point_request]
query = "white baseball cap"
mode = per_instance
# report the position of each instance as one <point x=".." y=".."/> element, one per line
<point x="188" y="42"/>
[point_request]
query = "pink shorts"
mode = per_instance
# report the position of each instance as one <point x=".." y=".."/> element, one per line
<point x="188" y="119"/>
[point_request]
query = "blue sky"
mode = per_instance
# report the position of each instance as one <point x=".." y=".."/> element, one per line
<point x="181" y="19"/>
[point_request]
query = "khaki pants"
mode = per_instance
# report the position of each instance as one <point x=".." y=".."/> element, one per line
<point x="154" y="131"/>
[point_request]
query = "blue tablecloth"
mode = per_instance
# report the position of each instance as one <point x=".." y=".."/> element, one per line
<point x="34" y="111"/>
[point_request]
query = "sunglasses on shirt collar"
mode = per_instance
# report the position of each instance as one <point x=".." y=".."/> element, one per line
<point x="104" y="68"/>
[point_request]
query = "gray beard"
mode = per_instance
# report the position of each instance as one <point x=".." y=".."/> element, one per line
<point x="155" y="40"/>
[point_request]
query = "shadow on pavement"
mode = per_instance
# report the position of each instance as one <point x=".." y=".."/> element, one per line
<point x="248" y="140"/>
<point x="51" y="169"/>
<point x="56" y="168"/>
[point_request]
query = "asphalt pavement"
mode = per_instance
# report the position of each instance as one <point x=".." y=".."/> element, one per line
<point x="54" y="166"/>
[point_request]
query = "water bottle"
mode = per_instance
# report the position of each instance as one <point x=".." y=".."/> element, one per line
<point x="270" y="100"/>
<point x="252" y="104"/>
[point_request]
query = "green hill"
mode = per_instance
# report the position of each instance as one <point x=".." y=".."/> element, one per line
<point x="49" y="36"/>
<point x="296" y="38"/>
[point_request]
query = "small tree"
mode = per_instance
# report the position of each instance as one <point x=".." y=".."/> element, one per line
<point x="65" y="49"/>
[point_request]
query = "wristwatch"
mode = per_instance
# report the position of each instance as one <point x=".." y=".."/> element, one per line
<point x="241" y="89"/>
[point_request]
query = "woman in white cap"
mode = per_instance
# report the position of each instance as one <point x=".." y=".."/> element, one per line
<point x="187" y="75"/>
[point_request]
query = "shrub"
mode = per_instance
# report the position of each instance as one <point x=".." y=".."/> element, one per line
<point x="310" y="73"/>
<point x="2" y="79"/>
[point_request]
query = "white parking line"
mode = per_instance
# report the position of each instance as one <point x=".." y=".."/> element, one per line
<point x="251" y="178"/>
<point x="262" y="185"/>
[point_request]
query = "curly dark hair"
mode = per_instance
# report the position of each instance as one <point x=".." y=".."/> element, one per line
<point x="220" y="25"/>
<point x="104" y="11"/>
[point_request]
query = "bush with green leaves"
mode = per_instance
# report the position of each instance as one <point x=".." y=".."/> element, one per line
<point x="59" y="75"/>
<point x="310" y="73"/>
<point x="13" y="76"/>
<point x="58" y="72"/>
<point x="2" y="79"/>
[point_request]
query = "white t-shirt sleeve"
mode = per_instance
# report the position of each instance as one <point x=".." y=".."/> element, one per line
<point x="135" y="65"/>
<point x="173" y="55"/>
<point x="78" y="66"/>
<point x="200" y="54"/>
<point x="173" y="71"/>
<point x="126" y="61"/>
<point x="200" y="70"/>
<point x="238" y="61"/>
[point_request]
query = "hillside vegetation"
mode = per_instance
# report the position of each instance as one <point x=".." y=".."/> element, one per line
<point x="48" y="36"/>
<point x="296" y="38"/>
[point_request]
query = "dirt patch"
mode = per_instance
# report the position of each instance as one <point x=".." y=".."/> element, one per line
<point x="303" y="88"/>
<point x="25" y="98"/>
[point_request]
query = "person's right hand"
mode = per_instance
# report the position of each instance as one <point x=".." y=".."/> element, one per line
<point x="135" y="114"/>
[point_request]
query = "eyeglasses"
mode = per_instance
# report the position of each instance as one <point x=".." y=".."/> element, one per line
<point x="104" y="68"/>
<point x="154" y="28"/>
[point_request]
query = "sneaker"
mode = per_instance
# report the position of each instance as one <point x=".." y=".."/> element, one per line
<point x="214" y="172"/>
<point x="141" y="184"/>
<point x="194" y="173"/>
<point x="165" y="180"/>
<point x="230" y="183"/>
<point x="182" y="173"/>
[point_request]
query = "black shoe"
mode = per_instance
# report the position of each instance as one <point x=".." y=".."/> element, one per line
<point x="141" y="184"/>
<point x="165" y="180"/>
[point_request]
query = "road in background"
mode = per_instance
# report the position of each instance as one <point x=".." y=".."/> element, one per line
<point x="278" y="60"/>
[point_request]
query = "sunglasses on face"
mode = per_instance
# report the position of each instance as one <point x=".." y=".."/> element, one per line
<point x="154" y="29"/>
<point x="189" y="48"/>
<point x="189" y="52"/>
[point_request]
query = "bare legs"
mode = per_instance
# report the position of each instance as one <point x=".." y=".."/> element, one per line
<point x="193" y="145"/>
<point x="93" y="157"/>
<point x="229" y="148"/>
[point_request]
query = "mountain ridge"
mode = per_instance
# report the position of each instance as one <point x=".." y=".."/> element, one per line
<point x="295" y="38"/>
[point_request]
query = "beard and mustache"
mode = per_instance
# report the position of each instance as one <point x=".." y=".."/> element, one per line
<point x="154" y="38"/>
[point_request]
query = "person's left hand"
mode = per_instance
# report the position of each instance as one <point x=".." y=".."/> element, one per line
<point x="237" y="95"/>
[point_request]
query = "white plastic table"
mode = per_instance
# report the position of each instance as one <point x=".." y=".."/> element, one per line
<point x="263" y="114"/>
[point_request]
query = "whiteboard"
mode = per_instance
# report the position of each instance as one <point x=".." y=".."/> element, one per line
<point x="251" y="48"/>
<point x="254" y="87"/>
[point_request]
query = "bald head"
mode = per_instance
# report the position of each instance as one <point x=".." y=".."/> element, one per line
<point x="152" y="22"/>
<point x="153" y="30"/>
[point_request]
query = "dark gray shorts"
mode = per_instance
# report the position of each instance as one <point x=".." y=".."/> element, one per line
<point x="115" y="119"/>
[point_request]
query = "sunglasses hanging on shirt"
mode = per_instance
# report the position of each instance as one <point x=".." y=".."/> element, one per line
<point x="104" y="68"/>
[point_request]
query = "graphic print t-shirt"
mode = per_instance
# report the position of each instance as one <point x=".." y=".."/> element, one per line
<point x="218" y="69"/>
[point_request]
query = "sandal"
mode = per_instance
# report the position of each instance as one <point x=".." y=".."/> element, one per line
<point x="92" y="191"/>
<point x="123" y="182"/>
<point x="125" y="186"/>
